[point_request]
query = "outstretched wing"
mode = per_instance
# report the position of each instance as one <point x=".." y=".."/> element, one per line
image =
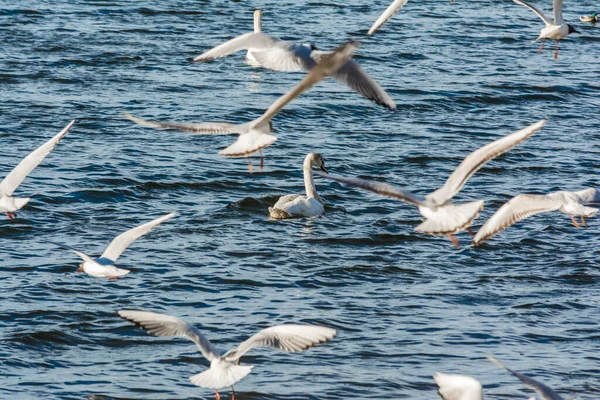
<point x="478" y="158"/>
<point x="540" y="388"/>
<point x="558" y="12"/>
<point x="387" y="14"/>
<point x="286" y="58"/>
<point x="254" y="40"/>
<point x="83" y="256"/>
<point x="517" y="209"/>
<point x="458" y="387"/>
<point x="290" y="338"/>
<point x="166" y="325"/>
<point x="378" y="187"/>
<point x="540" y="14"/>
<point x="207" y="128"/>
<point x="121" y="242"/>
<point x="28" y="164"/>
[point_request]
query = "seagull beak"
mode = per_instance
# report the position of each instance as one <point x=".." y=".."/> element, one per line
<point x="324" y="169"/>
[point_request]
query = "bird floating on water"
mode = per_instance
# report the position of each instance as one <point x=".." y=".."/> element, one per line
<point x="458" y="387"/>
<point x="224" y="369"/>
<point x="256" y="135"/>
<point x="277" y="55"/>
<point x="295" y="205"/>
<point x="589" y="18"/>
<point x="104" y="266"/>
<point x="441" y="216"/>
<point x="10" y="205"/>
<point x="526" y="205"/>
<point x="554" y="30"/>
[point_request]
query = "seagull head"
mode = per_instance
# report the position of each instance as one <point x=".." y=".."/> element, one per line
<point x="572" y="29"/>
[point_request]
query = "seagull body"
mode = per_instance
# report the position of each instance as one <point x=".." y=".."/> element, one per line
<point x="224" y="369"/>
<point x="10" y="205"/>
<point x="526" y="205"/>
<point x="441" y="216"/>
<point x="554" y="30"/>
<point x="104" y="266"/>
<point x="458" y="387"/>
<point x="277" y="55"/>
<point x="256" y="135"/>
<point x="544" y="391"/>
<point x="295" y="205"/>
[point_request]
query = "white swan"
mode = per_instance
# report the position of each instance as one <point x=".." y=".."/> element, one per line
<point x="295" y="205"/>
<point x="224" y="369"/>
<point x="441" y="216"/>
<point x="256" y="135"/>
<point x="104" y="266"/>
<point x="544" y="391"/>
<point x="277" y="55"/>
<point x="554" y="30"/>
<point x="526" y="205"/>
<point x="10" y="205"/>
<point x="458" y="387"/>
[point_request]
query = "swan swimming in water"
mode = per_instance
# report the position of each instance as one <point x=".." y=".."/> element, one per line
<point x="295" y="205"/>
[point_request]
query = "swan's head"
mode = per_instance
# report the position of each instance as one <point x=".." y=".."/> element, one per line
<point x="316" y="160"/>
<point x="572" y="29"/>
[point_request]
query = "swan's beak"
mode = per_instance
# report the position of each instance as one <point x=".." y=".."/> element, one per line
<point x="324" y="169"/>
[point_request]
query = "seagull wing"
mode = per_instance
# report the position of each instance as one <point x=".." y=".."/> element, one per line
<point x="540" y="388"/>
<point x="458" y="387"/>
<point x="289" y="338"/>
<point x="357" y="79"/>
<point x="387" y="14"/>
<point x="326" y="67"/>
<point x="120" y="243"/>
<point x="535" y="10"/>
<point x="83" y="256"/>
<point x="166" y="325"/>
<point x="207" y="128"/>
<point x="378" y="187"/>
<point x="474" y="161"/>
<point x="558" y="12"/>
<point x="286" y="57"/>
<point x="254" y="40"/>
<point x="28" y="164"/>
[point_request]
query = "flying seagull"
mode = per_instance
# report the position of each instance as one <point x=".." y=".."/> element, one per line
<point x="526" y="205"/>
<point x="554" y="30"/>
<point x="10" y="205"/>
<point x="441" y="216"/>
<point x="225" y="369"/>
<point x="104" y="266"/>
<point x="277" y="55"/>
<point x="256" y="135"/>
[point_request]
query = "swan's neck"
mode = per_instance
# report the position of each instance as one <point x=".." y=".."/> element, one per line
<point x="257" y="21"/>
<point x="309" y="183"/>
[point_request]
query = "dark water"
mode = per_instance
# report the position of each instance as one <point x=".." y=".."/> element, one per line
<point x="405" y="305"/>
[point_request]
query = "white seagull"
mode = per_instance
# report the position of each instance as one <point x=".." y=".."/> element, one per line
<point x="526" y="205"/>
<point x="387" y="14"/>
<point x="277" y="55"/>
<point x="458" y="387"/>
<point x="295" y="205"/>
<point x="104" y="266"/>
<point x="554" y="30"/>
<point x="441" y="216"/>
<point x="544" y="391"/>
<point x="224" y="369"/>
<point x="256" y="135"/>
<point x="10" y="205"/>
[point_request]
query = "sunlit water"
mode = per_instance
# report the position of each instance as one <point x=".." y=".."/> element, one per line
<point x="406" y="305"/>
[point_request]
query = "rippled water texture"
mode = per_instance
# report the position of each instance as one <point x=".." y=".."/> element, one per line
<point x="406" y="305"/>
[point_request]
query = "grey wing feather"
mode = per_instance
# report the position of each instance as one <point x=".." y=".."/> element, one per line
<point x="121" y="242"/>
<point x="167" y="325"/>
<point x="83" y="256"/>
<point x="387" y="14"/>
<point x="540" y="14"/>
<point x="29" y="163"/>
<point x="558" y="12"/>
<point x="515" y="210"/>
<point x="540" y="388"/>
<point x="289" y="338"/>
<point x="474" y="161"/>
<point x="207" y="128"/>
<point x="254" y="40"/>
<point x="357" y="79"/>
<point x="378" y="187"/>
